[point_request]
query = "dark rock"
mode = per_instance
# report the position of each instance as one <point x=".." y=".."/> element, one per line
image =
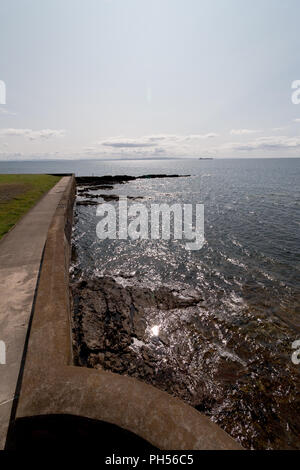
<point x="250" y="390"/>
<point x="97" y="181"/>
<point x="107" y="318"/>
<point x="87" y="203"/>
<point x="106" y="197"/>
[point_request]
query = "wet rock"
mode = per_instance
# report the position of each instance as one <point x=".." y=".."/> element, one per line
<point x="94" y="188"/>
<point x="97" y="181"/>
<point x="246" y="386"/>
<point x="110" y="320"/>
<point x="164" y="339"/>
<point x="101" y="357"/>
<point x="105" y="197"/>
<point x="87" y="203"/>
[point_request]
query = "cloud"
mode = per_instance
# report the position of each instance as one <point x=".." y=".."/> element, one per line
<point x="210" y="135"/>
<point x="46" y="134"/>
<point x="128" y="144"/>
<point x="170" y="145"/>
<point x="6" y="112"/>
<point x="297" y="120"/>
<point x="244" y="131"/>
<point x="30" y="134"/>
<point x="11" y="156"/>
<point x="14" y="132"/>
<point x="267" y="143"/>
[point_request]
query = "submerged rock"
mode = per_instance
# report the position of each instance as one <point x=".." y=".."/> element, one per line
<point x="100" y="181"/>
<point x="105" y="197"/>
<point x="112" y="328"/>
<point x="168" y="338"/>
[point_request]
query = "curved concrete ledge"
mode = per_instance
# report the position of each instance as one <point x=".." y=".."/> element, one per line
<point x="52" y="386"/>
<point x="74" y="432"/>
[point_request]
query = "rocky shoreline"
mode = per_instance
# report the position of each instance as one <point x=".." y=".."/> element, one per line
<point x="85" y="184"/>
<point x="171" y="336"/>
<point x="167" y="338"/>
<point x="101" y="181"/>
<point x="113" y="330"/>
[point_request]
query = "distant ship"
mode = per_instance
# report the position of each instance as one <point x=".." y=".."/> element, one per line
<point x="206" y="158"/>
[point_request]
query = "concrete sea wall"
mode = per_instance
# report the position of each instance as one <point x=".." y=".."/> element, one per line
<point x="21" y="252"/>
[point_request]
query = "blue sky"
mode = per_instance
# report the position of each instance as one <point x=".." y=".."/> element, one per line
<point x="149" y="78"/>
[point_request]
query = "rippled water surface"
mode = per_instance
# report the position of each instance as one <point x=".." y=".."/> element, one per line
<point x="228" y="350"/>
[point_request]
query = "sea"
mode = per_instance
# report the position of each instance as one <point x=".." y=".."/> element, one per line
<point x="238" y="346"/>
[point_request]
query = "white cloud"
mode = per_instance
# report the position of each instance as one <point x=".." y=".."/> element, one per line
<point x="31" y="134"/>
<point x="297" y="120"/>
<point x="14" y="132"/>
<point x="266" y="143"/>
<point x="6" y="112"/>
<point x="149" y="140"/>
<point x="211" y="135"/>
<point x="128" y="144"/>
<point x="244" y="131"/>
<point x="46" y="134"/>
<point x="154" y="145"/>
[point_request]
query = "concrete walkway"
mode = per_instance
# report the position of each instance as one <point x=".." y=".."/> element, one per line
<point x="20" y="257"/>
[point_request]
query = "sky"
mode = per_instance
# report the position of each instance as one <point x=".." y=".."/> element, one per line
<point x="149" y="78"/>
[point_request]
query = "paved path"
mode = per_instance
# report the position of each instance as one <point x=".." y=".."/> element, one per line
<point x="20" y="257"/>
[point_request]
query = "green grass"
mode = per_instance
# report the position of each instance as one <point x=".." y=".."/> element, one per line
<point x="19" y="194"/>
